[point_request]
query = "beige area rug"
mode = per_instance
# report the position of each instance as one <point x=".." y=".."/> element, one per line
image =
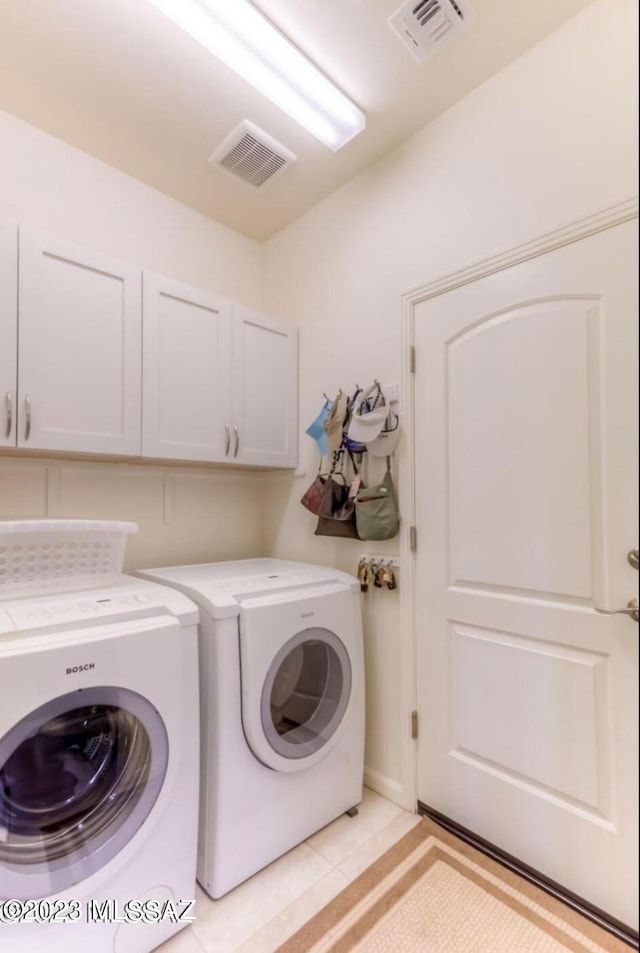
<point x="432" y="893"/>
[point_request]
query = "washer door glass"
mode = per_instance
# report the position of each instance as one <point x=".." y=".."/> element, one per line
<point x="78" y="776"/>
<point x="305" y="693"/>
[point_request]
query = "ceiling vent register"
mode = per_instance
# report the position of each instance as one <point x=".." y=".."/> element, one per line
<point x="251" y="155"/>
<point x="427" y="26"/>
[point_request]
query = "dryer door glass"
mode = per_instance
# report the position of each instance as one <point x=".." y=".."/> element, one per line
<point x="306" y="693"/>
<point x="77" y="778"/>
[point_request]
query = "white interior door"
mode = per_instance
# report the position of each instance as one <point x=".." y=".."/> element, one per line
<point x="526" y="505"/>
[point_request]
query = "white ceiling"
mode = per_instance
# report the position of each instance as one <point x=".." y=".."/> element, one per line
<point x="118" y="80"/>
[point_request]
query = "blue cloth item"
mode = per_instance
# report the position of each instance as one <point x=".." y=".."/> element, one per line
<point x="316" y="431"/>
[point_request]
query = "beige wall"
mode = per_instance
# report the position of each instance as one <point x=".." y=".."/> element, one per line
<point x="184" y="515"/>
<point x="551" y="138"/>
<point x="47" y="184"/>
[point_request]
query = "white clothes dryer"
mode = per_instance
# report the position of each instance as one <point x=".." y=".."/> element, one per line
<point x="98" y="748"/>
<point x="282" y="710"/>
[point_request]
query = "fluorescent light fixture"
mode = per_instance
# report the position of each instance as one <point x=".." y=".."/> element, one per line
<point x="242" y="37"/>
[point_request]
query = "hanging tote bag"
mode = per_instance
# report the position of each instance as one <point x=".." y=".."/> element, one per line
<point x="376" y="509"/>
<point x="312" y="497"/>
<point x="336" y="516"/>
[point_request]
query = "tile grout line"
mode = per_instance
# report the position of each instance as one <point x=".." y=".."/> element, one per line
<point x="197" y="939"/>
<point x="285" y="910"/>
<point x="320" y="854"/>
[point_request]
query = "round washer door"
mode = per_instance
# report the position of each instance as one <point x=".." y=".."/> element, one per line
<point x="78" y="777"/>
<point x="303" y="700"/>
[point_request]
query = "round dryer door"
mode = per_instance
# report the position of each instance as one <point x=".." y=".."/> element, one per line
<point x="300" y="657"/>
<point x="304" y="698"/>
<point x="78" y="776"/>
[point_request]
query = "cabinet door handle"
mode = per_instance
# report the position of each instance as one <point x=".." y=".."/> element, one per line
<point x="237" y="446"/>
<point x="27" y="417"/>
<point x="9" y="407"/>
<point x="228" y="440"/>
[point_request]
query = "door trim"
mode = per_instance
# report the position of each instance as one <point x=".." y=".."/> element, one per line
<point x="574" y="231"/>
<point x="564" y="235"/>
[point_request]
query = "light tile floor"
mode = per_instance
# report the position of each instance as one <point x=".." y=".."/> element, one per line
<point x="264" y="911"/>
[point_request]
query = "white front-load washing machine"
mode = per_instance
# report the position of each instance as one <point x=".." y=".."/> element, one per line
<point x="282" y="707"/>
<point x="98" y="747"/>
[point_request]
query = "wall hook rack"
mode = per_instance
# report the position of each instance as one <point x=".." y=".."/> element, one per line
<point x="379" y="559"/>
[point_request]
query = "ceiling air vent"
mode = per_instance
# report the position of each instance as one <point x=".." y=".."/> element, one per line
<point x="425" y="26"/>
<point x="251" y="155"/>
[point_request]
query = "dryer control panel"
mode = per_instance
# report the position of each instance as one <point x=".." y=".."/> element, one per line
<point x="221" y="588"/>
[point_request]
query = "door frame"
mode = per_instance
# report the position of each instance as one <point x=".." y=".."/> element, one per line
<point x="574" y="231"/>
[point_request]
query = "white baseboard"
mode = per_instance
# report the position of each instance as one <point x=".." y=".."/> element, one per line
<point x="387" y="787"/>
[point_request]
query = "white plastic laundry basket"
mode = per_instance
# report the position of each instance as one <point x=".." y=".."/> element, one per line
<point x="43" y="549"/>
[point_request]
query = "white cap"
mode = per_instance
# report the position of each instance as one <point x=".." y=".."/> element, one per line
<point x="387" y="440"/>
<point x="365" y="424"/>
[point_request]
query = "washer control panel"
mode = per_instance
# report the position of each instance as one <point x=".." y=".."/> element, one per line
<point x="33" y="615"/>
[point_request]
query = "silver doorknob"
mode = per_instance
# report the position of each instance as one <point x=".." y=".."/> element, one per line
<point x="631" y="610"/>
<point x="632" y="558"/>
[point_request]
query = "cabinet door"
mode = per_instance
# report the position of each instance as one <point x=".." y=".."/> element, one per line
<point x="8" y="331"/>
<point x="186" y="372"/>
<point x="265" y="390"/>
<point x="79" y="346"/>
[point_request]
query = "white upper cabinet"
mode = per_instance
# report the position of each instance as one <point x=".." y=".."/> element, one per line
<point x="186" y="399"/>
<point x="79" y="349"/>
<point x="96" y="358"/>
<point x="265" y="390"/>
<point x="8" y="332"/>
<point x="219" y="382"/>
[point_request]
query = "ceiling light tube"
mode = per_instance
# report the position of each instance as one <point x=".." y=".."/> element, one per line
<point x="242" y="37"/>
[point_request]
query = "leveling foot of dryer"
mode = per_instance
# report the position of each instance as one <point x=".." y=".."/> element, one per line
<point x="351" y="812"/>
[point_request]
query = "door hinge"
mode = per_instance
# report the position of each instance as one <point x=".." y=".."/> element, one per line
<point x="414" y="725"/>
<point x="412" y="359"/>
<point x="413" y="539"/>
